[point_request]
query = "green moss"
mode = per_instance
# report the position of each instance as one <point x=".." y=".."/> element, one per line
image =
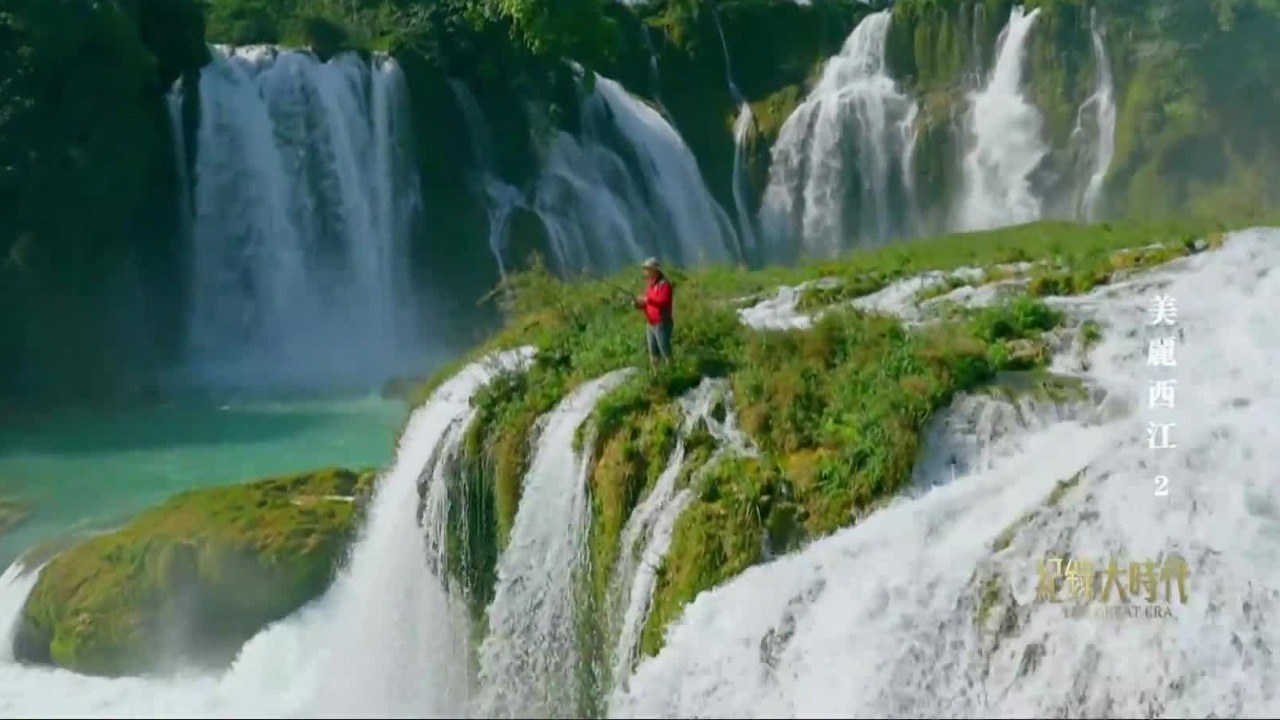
<point x="716" y="538"/>
<point x="472" y="537"/>
<point x="825" y="294"/>
<point x="769" y="115"/>
<point x="1038" y="384"/>
<point x="952" y="282"/>
<point x="1185" y="142"/>
<point x="1005" y="538"/>
<point x="1062" y="488"/>
<point x="699" y="447"/>
<point x="836" y="410"/>
<point x="193" y="579"/>
<point x="629" y="460"/>
<point x="988" y="599"/>
<point x="1082" y="277"/>
<point x="1090" y="336"/>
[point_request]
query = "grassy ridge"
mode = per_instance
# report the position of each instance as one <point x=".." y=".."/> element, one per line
<point x="837" y="409"/>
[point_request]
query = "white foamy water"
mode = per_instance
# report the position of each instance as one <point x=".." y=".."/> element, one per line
<point x="742" y="126"/>
<point x="1004" y="144"/>
<point x="303" y="198"/>
<point x="15" y="584"/>
<point x="396" y="634"/>
<point x="380" y="642"/>
<point x="1102" y="106"/>
<point x="879" y="619"/>
<point x="781" y="311"/>
<point x="647" y="535"/>
<point x="530" y="660"/>
<point x="625" y="188"/>
<point x="841" y="164"/>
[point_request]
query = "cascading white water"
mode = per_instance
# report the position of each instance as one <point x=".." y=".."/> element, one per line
<point x="675" y="196"/>
<point x="16" y="583"/>
<point x="841" y="165"/>
<point x="1004" y="139"/>
<point x="530" y="661"/>
<point x="398" y="643"/>
<point x="628" y="187"/>
<point x="979" y="430"/>
<point x="500" y="198"/>
<point x="173" y="103"/>
<point x="653" y="522"/>
<point x="386" y="640"/>
<point x="631" y="591"/>
<point x="585" y="195"/>
<point x="655" y="77"/>
<point x="1103" y="105"/>
<point x="890" y="618"/>
<point x="304" y="198"/>
<point x="742" y="127"/>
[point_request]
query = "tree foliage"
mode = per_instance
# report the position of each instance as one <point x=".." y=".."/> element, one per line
<point x="83" y="145"/>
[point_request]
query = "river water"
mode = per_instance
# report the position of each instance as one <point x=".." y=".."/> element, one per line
<point x="86" y="470"/>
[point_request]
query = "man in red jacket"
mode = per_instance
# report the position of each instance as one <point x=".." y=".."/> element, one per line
<point x="656" y="304"/>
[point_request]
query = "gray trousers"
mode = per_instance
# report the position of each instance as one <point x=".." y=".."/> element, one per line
<point x="659" y="337"/>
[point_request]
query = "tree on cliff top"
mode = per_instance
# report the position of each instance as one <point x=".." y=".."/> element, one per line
<point x="578" y="29"/>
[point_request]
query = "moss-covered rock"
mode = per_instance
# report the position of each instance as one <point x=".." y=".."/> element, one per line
<point x="1194" y="86"/>
<point x="834" y="413"/>
<point x="191" y="580"/>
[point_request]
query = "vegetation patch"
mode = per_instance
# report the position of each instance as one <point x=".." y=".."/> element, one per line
<point x="978" y="278"/>
<point x="1005" y="538"/>
<point x="1038" y="384"/>
<point x="627" y="464"/>
<point x="837" y="409"/>
<point x="190" y="581"/>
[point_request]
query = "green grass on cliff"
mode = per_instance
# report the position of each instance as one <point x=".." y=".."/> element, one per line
<point x="193" y="579"/>
<point x="837" y="410"/>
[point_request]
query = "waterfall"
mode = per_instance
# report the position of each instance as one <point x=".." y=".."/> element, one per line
<point x="1103" y="104"/>
<point x="304" y="199"/>
<point x="742" y="127"/>
<point x="500" y="198"/>
<point x="678" y="199"/>
<point x="655" y="78"/>
<point x="1004" y="139"/>
<point x="16" y="583"/>
<point x="653" y="522"/>
<point x="841" y="165"/>
<point x="397" y="641"/>
<point x="387" y="639"/>
<point x="628" y="188"/>
<point x="631" y="591"/>
<point x="529" y="663"/>
<point x="928" y="608"/>
<point x="173" y="103"/>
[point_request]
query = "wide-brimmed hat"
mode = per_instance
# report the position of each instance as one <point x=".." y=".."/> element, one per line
<point x="650" y="264"/>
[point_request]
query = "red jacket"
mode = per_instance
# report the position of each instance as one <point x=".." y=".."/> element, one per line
<point x="657" y="301"/>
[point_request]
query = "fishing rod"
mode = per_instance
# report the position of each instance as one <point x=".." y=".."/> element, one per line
<point x="630" y="296"/>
